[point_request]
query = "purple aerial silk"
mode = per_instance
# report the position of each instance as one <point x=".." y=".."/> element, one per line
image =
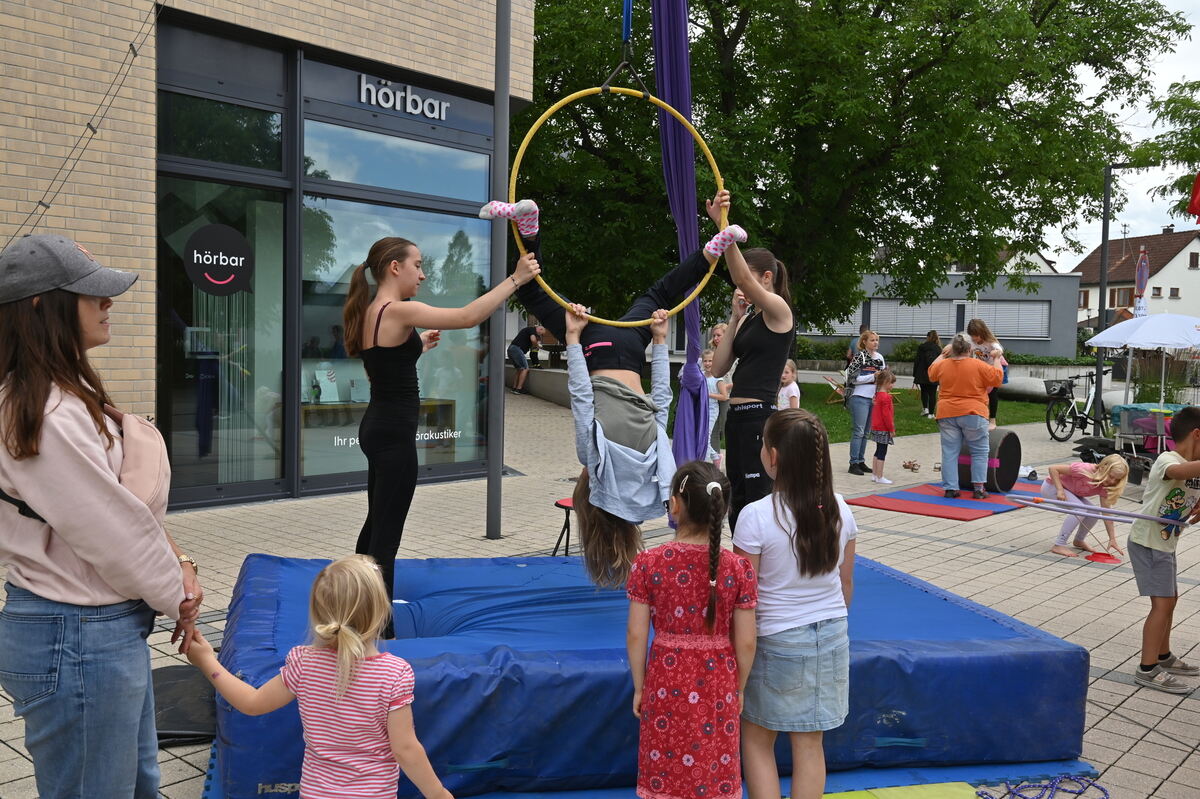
<point x="672" y="77"/>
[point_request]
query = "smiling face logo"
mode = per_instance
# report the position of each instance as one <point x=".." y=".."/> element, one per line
<point x="218" y="260"/>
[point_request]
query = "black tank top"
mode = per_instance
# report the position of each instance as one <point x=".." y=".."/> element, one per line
<point x="761" y="354"/>
<point x="393" y="370"/>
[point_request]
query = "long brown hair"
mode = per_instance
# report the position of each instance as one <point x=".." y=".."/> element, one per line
<point x="804" y="488"/>
<point x="702" y="504"/>
<point x="41" y="345"/>
<point x="762" y="261"/>
<point x="978" y="327"/>
<point x="382" y="253"/>
<point x="609" y="543"/>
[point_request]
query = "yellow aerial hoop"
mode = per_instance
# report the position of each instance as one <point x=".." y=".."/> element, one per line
<point x="712" y="164"/>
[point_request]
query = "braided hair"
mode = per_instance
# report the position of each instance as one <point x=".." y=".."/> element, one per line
<point x="804" y="488"/>
<point x="704" y="493"/>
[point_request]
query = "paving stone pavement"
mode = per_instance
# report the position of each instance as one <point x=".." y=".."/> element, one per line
<point x="1145" y="743"/>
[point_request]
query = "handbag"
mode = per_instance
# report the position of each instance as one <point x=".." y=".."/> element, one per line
<point x="145" y="468"/>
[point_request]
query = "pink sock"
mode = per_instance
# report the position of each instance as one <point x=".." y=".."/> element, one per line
<point x="717" y="245"/>
<point x="525" y="213"/>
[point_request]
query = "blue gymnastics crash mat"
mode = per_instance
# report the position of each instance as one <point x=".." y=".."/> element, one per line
<point x="523" y="682"/>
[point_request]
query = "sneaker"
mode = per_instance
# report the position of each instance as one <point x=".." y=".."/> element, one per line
<point x="856" y="468"/>
<point x="1174" y="665"/>
<point x="950" y="494"/>
<point x="1158" y="679"/>
<point x="979" y="493"/>
<point x="881" y="480"/>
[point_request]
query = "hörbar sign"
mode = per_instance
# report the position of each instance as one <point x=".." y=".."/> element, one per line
<point x="402" y="98"/>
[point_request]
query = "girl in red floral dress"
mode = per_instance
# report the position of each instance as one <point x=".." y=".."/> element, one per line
<point x="701" y="600"/>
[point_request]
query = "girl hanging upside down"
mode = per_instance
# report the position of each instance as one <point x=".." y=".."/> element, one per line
<point x="620" y="433"/>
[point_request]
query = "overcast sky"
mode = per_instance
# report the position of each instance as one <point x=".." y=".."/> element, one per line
<point x="1143" y="215"/>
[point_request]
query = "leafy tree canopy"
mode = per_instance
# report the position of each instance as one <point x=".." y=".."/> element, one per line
<point x="929" y="130"/>
<point x="1179" y="144"/>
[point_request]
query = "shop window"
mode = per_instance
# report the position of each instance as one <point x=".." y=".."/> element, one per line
<point x="1174" y="293"/>
<point x="1083" y="298"/>
<point x="333" y="387"/>
<point x="220" y="356"/>
<point x="1120" y="298"/>
<point x="210" y="130"/>
<point x="349" y="155"/>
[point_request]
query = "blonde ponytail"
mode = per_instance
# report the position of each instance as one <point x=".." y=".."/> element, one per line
<point x="348" y="608"/>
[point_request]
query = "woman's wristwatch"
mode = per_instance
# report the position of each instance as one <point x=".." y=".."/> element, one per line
<point x="188" y="559"/>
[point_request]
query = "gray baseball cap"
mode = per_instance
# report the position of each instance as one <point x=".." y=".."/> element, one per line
<point x="35" y="264"/>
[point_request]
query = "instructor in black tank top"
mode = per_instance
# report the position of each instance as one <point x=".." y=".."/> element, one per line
<point x="760" y="341"/>
<point x="383" y="331"/>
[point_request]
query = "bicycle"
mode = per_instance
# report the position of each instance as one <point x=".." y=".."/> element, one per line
<point x="1063" y="415"/>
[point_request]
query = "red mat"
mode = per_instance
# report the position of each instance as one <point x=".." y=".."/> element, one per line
<point x="920" y="508"/>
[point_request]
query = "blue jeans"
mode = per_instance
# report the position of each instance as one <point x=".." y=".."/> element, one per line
<point x="956" y="429"/>
<point x="860" y="417"/>
<point x="80" y="678"/>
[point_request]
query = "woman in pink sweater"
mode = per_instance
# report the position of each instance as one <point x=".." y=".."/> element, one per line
<point x="89" y="563"/>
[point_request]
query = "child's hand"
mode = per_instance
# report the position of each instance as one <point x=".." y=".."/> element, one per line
<point x="576" y="321"/>
<point x="637" y="703"/>
<point x="527" y="267"/>
<point x="199" y="650"/>
<point x="1112" y="544"/>
<point x="720" y="200"/>
<point x="1061" y="494"/>
<point x="658" y="328"/>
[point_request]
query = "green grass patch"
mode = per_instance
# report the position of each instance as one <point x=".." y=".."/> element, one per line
<point x="908" y="412"/>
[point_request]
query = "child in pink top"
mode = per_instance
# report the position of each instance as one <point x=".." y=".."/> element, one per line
<point x="1075" y="482"/>
<point x="355" y="701"/>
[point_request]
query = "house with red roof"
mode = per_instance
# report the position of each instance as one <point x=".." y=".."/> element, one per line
<point x="1174" y="285"/>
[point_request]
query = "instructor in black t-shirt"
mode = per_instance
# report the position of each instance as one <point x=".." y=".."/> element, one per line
<point x="518" y="353"/>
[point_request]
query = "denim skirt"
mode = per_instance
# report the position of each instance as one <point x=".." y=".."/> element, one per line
<point x="800" y="680"/>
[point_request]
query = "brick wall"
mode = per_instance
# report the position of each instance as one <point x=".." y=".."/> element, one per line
<point x="57" y="58"/>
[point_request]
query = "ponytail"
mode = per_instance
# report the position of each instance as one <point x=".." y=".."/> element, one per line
<point x="352" y="312"/>
<point x="704" y="492"/>
<point x="762" y="261"/>
<point x="804" y="489"/>
<point x="348" y="608"/>
<point x="382" y="253"/>
<point x="350" y="647"/>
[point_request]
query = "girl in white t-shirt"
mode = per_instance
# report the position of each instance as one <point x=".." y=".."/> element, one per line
<point x="800" y="540"/>
<point x="789" y="392"/>
<point x="355" y="701"/>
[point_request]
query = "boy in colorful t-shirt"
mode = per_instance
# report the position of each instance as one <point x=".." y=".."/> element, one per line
<point x="1172" y="492"/>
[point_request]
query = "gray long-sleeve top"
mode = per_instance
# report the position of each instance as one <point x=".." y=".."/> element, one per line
<point x="630" y="467"/>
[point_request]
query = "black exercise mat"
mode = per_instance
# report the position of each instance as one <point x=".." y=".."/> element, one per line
<point x="184" y="706"/>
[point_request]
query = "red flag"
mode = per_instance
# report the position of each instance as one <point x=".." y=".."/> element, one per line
<point x="1194" y="205"/>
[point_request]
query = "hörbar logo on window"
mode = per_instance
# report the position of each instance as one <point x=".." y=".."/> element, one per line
<point x="219" y="261"/>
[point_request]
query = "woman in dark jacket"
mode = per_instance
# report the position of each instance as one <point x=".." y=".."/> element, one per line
<point x="927" y="353"/>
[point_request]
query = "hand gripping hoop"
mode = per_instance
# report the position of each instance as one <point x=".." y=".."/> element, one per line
<point x="712" y="164"/>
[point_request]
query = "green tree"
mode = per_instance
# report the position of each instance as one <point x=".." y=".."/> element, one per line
<point x="1179" y="144"/>
<point x="932" y="130"/>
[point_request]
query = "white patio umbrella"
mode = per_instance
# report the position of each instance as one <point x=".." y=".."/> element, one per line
<point x="1160" y="331"/>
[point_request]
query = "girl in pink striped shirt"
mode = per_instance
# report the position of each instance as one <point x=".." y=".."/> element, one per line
<point x="355" y="701"/>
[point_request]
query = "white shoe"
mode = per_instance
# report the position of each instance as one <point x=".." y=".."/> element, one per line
<point x="881" y="480"/>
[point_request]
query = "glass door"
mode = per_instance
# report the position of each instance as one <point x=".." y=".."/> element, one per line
<point x="220" y="337"/>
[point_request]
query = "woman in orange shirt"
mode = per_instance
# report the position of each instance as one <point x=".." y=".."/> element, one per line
<point x="962" y="411"/>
